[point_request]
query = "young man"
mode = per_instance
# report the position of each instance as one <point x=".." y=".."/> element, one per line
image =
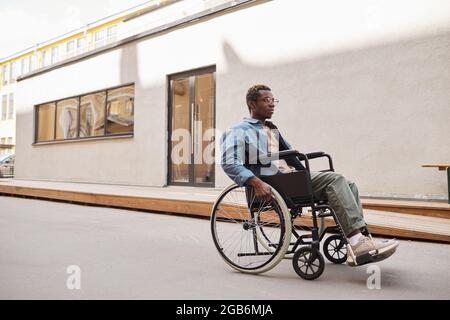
<point x="260" y="135"/>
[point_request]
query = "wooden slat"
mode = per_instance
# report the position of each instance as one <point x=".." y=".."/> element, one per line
<point x="156" y="204"/>
<point x="411" y="228"/>
<point x="429" y="209"/>
<point x="441" y="167"/>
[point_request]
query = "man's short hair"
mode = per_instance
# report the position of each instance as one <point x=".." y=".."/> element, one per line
<point x="253" y="93"/>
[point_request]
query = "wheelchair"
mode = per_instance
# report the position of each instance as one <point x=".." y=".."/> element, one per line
<point x="253" y="235"/>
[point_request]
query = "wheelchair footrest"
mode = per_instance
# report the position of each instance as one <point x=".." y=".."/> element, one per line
<point x="364" y="259"/>
<point x="255" y="254"/>
<point x="324" y="215"/>
<point x="369" y="258"/>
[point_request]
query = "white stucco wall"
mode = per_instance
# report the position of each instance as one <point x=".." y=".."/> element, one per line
<point x="365" y="81"/>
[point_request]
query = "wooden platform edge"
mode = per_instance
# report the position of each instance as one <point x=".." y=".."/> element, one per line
<point x="410" y="209"/>
<point x="183" y="207"/>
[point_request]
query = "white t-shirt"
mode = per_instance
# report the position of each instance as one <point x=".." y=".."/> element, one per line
<point x="273" y="144"/>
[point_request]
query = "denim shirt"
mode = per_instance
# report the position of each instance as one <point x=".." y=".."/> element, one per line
<point x="244" y="142"/>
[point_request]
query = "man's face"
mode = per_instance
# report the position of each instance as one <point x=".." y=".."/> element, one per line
<point x="263" y="107"/>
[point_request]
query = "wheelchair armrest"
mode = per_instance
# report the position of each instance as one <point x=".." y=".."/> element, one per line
<point x="314" y="155"/>
<point x="279" y="155"/>
<point x="294" y="153"/>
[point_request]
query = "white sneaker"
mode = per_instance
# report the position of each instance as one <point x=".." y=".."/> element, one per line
<point x="367" y="250"/>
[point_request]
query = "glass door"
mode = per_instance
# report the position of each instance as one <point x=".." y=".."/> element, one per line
<point x="191" y="128"/>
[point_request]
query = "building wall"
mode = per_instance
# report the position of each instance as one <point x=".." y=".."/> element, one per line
<point x="369" y="85"/>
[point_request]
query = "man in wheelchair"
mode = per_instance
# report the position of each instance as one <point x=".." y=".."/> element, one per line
<point x="259" y="134"/>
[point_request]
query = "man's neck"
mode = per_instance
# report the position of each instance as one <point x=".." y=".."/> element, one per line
<point x="263" y="120"/>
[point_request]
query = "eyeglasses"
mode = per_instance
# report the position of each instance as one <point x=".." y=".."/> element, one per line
<point x="271" y="100"/>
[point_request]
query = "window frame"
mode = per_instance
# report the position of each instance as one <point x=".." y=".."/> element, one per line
<point x="104" y="136"/>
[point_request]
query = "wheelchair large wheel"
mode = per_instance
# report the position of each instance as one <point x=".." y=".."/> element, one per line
<point x="308" y="263"/>
<point x="335" y="249"/>
<point x="250" y="240"/>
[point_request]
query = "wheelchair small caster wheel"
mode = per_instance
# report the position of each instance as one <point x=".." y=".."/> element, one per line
<point x="308" y="263"/>
<point x="335" y="249"/>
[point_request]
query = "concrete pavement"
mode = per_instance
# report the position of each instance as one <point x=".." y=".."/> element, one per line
<point x="123" y="254"/>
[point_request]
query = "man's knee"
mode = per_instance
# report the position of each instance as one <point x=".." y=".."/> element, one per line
<point x="338" y="177"/>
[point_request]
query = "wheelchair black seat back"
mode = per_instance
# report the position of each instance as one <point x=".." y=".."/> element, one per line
<point x="294" y="187"/>
<point x="253" y="235"/>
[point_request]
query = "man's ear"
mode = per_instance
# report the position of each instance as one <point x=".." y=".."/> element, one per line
<point x="251" y="105"/>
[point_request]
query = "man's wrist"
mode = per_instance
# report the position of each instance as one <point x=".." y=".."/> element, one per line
<point x="253" y="180"/>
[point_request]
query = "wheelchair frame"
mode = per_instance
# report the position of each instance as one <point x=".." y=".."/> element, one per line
<point x="292" y="192"/>
<point x="304" y="197"/>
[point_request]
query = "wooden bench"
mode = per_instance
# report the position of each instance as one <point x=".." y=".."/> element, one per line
<point x="442" y="167"/>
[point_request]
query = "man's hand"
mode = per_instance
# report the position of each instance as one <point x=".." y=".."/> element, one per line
<point x="262" y="189"/>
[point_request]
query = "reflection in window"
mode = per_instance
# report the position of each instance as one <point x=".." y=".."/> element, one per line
<point x="67" y="118"/>
<point x="92" y="111"/>
<point x="84" y="116"/>
<point x="46" y="122"/>
<point x="180" y="123"/>
<point x="120" y="110"/>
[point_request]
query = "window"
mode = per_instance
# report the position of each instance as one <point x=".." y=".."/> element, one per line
<point x="92" y="114"/>
<point x="6" y="74"/>
<point x="55" y="55"/>
<point x="26" y="65"/>
<point x="66" y="119"/>
<point x="111" y="34"/>
<point x="11" y="106"/>
<point x="12" y="72"/>
<point x="120" y="113"/>
<point x="4" y="106"/>
<point x="84" y="116"/>
<point x="33" y="62"/>
<point x="100" y="38"/>
<point x="18" y="69"/>
<point x="81" y="45"/>
<point x="46" y="122"/>
<point x="2" y="140"/>
<point x="46" y="59"/>
<point x="10" y="141"/>
<point x="70" y="49"/>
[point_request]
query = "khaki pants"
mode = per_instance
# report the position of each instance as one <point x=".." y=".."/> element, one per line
<point x="342" y="195"/>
